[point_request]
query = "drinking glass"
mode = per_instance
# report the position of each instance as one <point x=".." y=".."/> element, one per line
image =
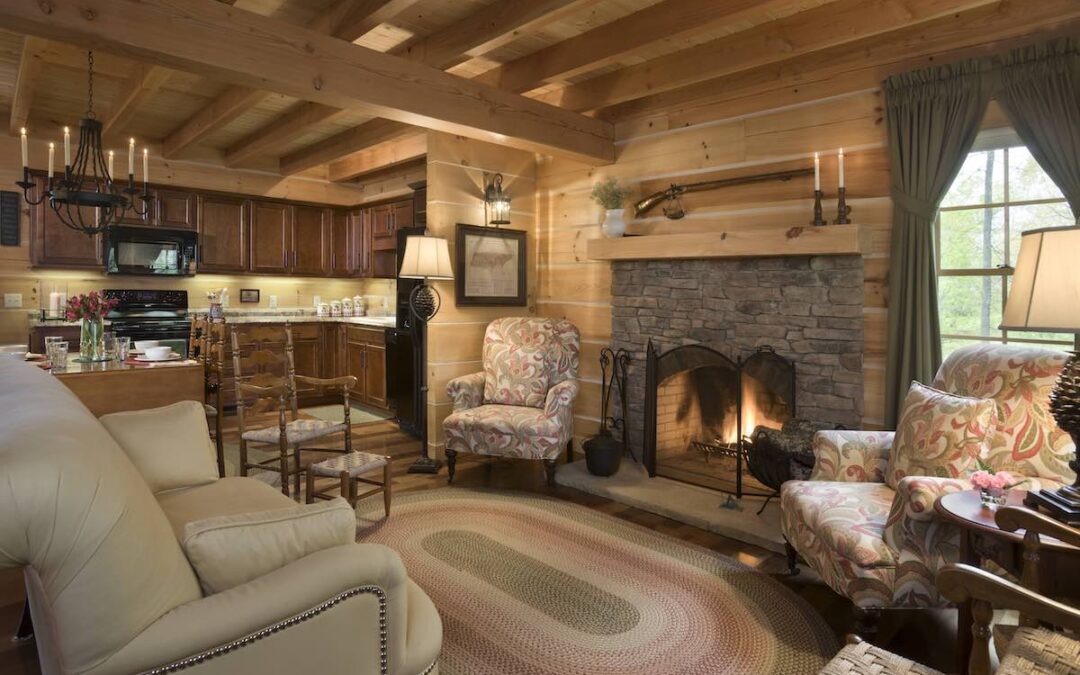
<point x="59" y="356"/>
<point x="109" y="344"/>
<point x="51" y="339"/>
<point x="123" y="348"/>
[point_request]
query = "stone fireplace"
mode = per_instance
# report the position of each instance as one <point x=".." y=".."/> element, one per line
<point x="717" y="330"/>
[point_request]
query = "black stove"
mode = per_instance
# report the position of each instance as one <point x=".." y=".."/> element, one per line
<point x="151" y="315"/>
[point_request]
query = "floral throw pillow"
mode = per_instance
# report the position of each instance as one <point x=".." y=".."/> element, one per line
<point x="939" y="434"/>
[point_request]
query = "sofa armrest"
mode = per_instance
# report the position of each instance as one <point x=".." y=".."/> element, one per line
<point x="466" y="391"/>
<point x="851" y="456"/>
<point x="560" y="398"/>
<point x="367" y="577"/>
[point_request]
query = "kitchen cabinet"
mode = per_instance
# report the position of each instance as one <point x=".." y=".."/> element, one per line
<point x="365" y="359"/>
<point x="343" y="245"/>
<point x="310" y="241"/>
<point x="54" y="244"/>
<point x="271" y="238"/>
<point x="383" y="223"/>
<point x="307" y="357"/>
<point x="176" y="209"/>
<point x="223" y="233"/>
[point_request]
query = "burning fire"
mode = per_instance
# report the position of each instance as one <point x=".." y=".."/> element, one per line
<point x="758" y="410"/>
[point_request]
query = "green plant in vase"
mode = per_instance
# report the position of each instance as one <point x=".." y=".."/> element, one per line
<point x="90" y="308"/>
<point x="610" y="195"/>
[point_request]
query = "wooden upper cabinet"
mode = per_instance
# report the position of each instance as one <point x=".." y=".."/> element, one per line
<point x="176" y="209"/>
<point x="223" y="234"/>
<point x="271" y="238"/>
<point x="381" y="218"/>
<point x="53" y="244"/>
<point x="343" y="257"/>
<point x="311" y="237"/>
<point x="403" y="215"/>
<point x="360" y="225"/>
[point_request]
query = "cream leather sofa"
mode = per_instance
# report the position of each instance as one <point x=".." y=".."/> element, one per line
<point x="111" y="590"/>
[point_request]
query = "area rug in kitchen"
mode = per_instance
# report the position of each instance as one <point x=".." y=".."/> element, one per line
<point x="527" y="584"/>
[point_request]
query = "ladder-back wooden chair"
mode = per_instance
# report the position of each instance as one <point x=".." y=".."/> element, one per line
<point x="207" y="346"/>
<point x="265" y="375"/>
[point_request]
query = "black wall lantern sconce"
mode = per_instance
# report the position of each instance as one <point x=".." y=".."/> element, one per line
<point x="496" y="202"/>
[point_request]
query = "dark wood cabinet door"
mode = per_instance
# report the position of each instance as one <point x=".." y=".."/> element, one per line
<point x="360" y="223"/>
<point x="382" y="226"/>
<point x="311" y="240"/>
<point x="375" y="372"/>
<point x="354" y="365"/>
<point x="306" y="354"/>
<point x="343" y="258"/>
<point x="402" y="215"/>
<point x="271" y="238"/>
<point x="54" y="244"/>
<point x="223" y="234"/>
<point x="176" y="209"/>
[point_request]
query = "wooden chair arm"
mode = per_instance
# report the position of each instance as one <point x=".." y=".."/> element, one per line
<point x="343" y="381"/>
<point x="1013" y="518"/>
<point x="275" y="390"/>
<point x="961" y="583"/>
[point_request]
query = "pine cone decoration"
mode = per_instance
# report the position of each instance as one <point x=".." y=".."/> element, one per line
<point x="1065" y="398"/>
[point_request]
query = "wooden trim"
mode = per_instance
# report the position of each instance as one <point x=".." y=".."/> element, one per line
<point x="827" y="240"/>
<point x="30" y="65"/>
<point x="224" y="109"/>
<point x="345" y="143"/>
<point x="144" y="82"/>
<point x="379" y="158"/>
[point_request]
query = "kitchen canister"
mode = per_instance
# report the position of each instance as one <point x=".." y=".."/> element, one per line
<point x="346" y="307"/>
<point x="335" y="308"/>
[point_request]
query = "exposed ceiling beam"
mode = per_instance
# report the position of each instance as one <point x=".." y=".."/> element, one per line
<point x="379" y="157"/>
<point x="663" y="22"/>
<point x="344" y="143"/>
<point x="144" y="82"/>
<point x="346" y="19"/>
<point x="206" y="37"/>
<point x="282" y="130"/>
<point x="30" y="64"/>
<point x="826" y="26"/>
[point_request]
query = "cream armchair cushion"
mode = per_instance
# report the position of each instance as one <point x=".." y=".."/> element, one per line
<point x="170" y="446"/>
<point x="227" y="551"/>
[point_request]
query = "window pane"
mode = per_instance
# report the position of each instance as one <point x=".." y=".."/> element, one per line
<point x="1027" y="180"/>
<point x="981" y="180"/>
<point x="972" y="239"/>
<point x="1033" y="216"/>
<point x="970" y="305"/>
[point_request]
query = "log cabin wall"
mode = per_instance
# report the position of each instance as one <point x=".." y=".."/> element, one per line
<point x="456" y="172"/>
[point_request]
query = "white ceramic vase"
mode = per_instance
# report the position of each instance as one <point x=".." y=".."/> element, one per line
<point x="614" y="224"/>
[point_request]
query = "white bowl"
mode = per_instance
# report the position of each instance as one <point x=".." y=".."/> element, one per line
<point x="158" y="353"/>
<point x="143" y="345"/>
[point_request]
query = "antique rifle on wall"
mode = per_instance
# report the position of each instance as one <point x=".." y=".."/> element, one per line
<point x="674" y="208"/>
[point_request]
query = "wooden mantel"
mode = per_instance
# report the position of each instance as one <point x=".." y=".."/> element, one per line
<point x="748" y="243"/>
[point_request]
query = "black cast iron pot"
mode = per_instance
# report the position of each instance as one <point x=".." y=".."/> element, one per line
<point x="603" y="454"/>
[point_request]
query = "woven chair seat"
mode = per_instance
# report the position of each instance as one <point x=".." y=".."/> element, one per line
<point x="354" y="463"/>
<point x="1035" y="651"/>
<point x="296" y="431"/>
<point x="866" y="659"/>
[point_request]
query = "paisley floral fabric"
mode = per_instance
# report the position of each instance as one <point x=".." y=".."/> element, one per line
<point x="939" y="434"/>
<point x="856" y="456"/>
<point x="466" y="391"/>
<point x="1024" y="440"/>
<point x="515" y="431"/>
<point x="524" y="356"/>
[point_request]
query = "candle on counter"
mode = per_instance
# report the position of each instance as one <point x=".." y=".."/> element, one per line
<point x="67" y="147"/>
<point x="22" y="140"/>
<point x="817" y="173"/>
<point x="57" y="302"/>
<point x="52" y="155"/>
<point x="145" y="166"/>
<point x="840" y="161"/>
<point x="131" y="157"/>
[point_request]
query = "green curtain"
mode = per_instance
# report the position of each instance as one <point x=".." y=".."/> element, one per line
<point x="933" y="116"/>
<point x="1040" y="92"/>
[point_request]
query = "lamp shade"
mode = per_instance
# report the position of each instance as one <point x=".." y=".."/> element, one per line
<point x="426" y="258"/>
<point x="1045" y="293"/>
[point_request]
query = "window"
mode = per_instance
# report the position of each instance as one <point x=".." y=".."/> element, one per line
<point x="1001" y="191"/>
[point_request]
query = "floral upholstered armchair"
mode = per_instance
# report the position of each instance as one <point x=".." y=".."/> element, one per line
<point x="522" y="404"/>
<point x="883" y="547"/>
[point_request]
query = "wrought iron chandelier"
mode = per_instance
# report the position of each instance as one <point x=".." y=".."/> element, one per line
<point x="86" y="198"/>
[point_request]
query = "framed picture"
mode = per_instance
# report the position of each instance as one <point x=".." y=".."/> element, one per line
<point x="490" y="269"/>
<point x="249" y="295"/>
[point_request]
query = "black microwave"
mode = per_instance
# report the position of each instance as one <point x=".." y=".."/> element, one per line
<point x="150" y="251"/>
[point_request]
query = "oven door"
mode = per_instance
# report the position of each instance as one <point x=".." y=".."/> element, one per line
<point x="150" y="252"/>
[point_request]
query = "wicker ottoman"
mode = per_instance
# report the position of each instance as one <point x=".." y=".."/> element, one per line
<point x="864" y="658"/>
<point x="348" y="469"/>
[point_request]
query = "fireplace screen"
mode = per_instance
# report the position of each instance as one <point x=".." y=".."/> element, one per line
<point x="701" y="408"/>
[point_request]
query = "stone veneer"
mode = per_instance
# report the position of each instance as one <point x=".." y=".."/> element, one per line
<point x="809" y="309"/>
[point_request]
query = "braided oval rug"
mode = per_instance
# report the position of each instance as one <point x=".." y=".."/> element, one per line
<point x="530" y="584"/>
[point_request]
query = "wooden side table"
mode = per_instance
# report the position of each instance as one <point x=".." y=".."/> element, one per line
<point x="1042" y="567"/>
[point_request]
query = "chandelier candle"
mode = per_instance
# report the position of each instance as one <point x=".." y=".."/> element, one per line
<point x="67" y="148"/>
<point x="52" y="156"/>
<point x="131" y="157"/>
<point x="145" y="166"/>
<point x="22" y="140"/>
<point x="112" y="173"/>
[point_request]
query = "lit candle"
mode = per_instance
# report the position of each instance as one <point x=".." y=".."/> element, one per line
<point x="131" y="157"/>
<point x="52" y="153"/>
<point x="817" y="173"/>
<point x="22" y="139"/>
<point x="112" y="157"/>
<point x="840" y="160"/>
<point x="67" y="147"/>
<point x="145" y="165"/>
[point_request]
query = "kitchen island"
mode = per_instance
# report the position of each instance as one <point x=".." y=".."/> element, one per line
<point x="112" y="386"/>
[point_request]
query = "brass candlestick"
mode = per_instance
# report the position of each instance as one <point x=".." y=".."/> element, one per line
<point x="818" y="221"/>
<point x="842" y="208"/>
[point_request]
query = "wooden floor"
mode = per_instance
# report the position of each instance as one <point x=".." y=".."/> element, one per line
<point x="926" y="636"/>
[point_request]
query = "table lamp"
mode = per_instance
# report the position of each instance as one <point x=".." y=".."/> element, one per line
<point x="1045" y="297"/>
<point x="428" y="259"/>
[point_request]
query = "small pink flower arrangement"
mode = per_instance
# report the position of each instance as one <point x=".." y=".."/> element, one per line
<point x="92" y="306"/>
<point x="993" y="485"/>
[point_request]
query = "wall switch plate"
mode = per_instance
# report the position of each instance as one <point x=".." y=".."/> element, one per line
<point x="13" y="300"/>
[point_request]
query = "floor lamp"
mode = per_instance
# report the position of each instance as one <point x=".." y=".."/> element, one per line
<point x="1045" y="297"/>
<point x="427" y="259"/>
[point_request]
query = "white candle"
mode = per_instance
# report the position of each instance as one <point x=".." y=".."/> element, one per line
<point x="22" y="139"/>
<point x="54" y="302"/>
<point x="112" y="157"/>
<point x="52" y="154"/>
<point x="145" y="166"/>
<point x="840" y="160"/>
<point x="131" y="157"/>
<point x="67" y="147"/>
<point x="817" y="173"/>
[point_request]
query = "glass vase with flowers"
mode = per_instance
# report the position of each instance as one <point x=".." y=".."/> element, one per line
<point x="993" y="486"/>
<point x="90" y="308"/>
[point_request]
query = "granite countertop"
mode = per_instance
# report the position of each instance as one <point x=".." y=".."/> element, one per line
<point x="296" y="316"/>
<point x="79" y="368"/>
